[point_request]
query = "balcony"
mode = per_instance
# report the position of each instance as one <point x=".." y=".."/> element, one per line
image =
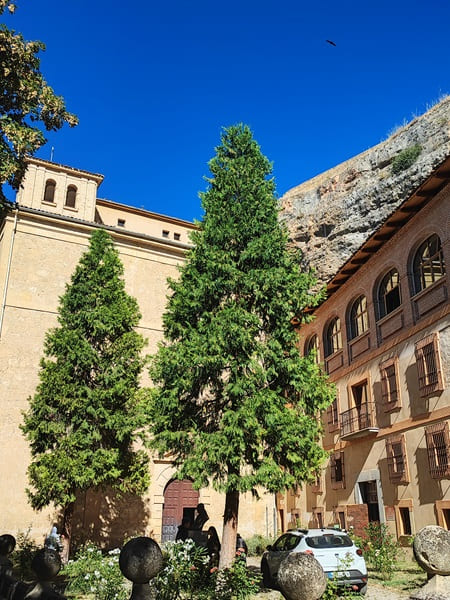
<point x="358" y="421"/>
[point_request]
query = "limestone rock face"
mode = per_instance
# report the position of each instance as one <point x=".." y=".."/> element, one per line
<point x="331" y="215"/>
<point x="432" y="550"/>
<point x="301" y="577"/>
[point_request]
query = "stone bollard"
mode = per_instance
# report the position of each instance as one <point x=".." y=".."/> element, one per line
<point x="301" y="577"/>
<point x="432" y="552"/>
<point x="140" y="560"/>
<point x="7" y="545"/>
<point x="46" y="564"/>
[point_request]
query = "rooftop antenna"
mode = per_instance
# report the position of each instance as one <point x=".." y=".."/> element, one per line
<point x="51" y="153"/>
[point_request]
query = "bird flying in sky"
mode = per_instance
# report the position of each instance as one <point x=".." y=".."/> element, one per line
<point x="330" y="42"/>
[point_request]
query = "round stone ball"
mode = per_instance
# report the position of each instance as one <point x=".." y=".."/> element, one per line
<point x="432" y="550"/>
<point x="301" y="577"/>
<point x="46" y="564"/>
<point x="140" y="559"/>
<point x="7" y="544"/>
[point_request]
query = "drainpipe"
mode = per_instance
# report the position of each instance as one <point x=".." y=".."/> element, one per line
<point x="8" y="269"/>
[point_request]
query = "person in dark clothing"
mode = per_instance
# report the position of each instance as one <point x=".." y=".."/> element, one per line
<point x="183" y="529"/>
<point x="201" y="518"/>
<point x="241" y="548"/>
<point x="213" y="546"/>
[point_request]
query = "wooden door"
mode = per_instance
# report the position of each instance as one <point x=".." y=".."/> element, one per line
<point x="180" y="500"/>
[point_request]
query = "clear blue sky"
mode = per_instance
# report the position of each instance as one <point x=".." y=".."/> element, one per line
<point x="153" y="83"/>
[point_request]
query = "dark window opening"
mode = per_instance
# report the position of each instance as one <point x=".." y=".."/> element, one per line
<point x="176" y="236"/>
<point x="165" y="233"/>
<point x="428" y="264"/>
<point x="49" y="193"/>
<point x="389" y="293"/>
<point x="121" y="222"/>
<point x="359" y="319"/>
<point x="405" y="520"/>
<point x="71" y="196"/>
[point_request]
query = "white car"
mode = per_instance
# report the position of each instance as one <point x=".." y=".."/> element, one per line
<point x="333" y="548"/>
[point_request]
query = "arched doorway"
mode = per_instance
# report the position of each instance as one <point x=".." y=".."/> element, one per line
<point x="180" y="500"/>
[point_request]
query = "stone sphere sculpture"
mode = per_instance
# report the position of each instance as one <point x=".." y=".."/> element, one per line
<point x="301" y="577"/>
<point x="7" y="544"/>
<point x="432" y="550"/>
<point x="46" y="564"/>
<point x="140" y="560"/>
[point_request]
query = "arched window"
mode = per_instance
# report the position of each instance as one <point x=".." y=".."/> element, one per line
<point x="389" y="293"/>
<point x="333" y="337"/>
<point x="359" y="319"/>
<point x="313" y="346"/>
<point x="428" y="264"/>
<point x="71" y="196"/>
<point x="49" y="193"/>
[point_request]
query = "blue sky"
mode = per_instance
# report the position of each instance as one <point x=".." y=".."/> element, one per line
<point x="153" y="83"/>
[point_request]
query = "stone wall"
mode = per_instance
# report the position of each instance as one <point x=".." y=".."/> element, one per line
<point x="330" y="216"/>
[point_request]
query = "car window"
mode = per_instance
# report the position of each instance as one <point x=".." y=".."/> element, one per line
<point x="329" y="541"/>
<point x="287" y="542"/>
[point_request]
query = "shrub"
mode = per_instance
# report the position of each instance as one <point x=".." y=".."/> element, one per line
<point x="22" y="556"/>
<point x="186" y="574"/>
<point x="405" y="158"/>
<point x="96" y="574"/>
<point x="381" y="549"/>
<point x="257" y="544"/>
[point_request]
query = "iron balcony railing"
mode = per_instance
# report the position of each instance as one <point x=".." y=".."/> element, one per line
<point x="358" y="420"/>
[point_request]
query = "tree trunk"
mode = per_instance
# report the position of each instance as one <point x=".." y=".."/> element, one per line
<point x="67" y="530"/>
<point x="230" y="525"/>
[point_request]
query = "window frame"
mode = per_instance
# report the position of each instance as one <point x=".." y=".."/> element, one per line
<point x="383" y="293"/>
<point x="394" y="459"/>
<point x="333" y="420"/>
<point x="337" y="458"/>
<point x="49" y="183"/>
<point x="358" y="319"/>
<point x="437" y="452"/>
<point x="429" y="367"/>
<point x="333" y="337"/>
<point x="425" y="271"/>
<point x="71" y="196"/>
<point x="312" y="344"/>
<point x="391" y="397"/>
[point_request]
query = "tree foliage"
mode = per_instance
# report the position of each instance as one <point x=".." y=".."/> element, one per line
<point x="234" y="401"/>
<point x="27" y="104"/>
<point x="83" y="418"/>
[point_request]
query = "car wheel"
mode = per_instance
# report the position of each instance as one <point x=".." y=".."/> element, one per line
<point x="363" y="590"/>
<point x="267" y="580"/>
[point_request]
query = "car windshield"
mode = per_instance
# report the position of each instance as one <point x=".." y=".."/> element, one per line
<point x="287" y="542"/>
<point x="329" y="541"/>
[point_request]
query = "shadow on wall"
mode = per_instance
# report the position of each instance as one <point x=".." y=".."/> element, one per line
<point x="419" y="406"/>
<point x="109" y="520"/>
<point x="430" y="489"/>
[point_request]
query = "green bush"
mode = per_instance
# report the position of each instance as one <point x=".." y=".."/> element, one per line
<point x="257" y="544"/>
<point x="186" y="574"/>
<point x="381" y="549"/>
<point x="405" y="158"/>
<point x="96" y="574"/>
<point x="23" y="554"/>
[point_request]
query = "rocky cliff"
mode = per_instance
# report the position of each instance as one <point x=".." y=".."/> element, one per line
<point x="331" y="215"/>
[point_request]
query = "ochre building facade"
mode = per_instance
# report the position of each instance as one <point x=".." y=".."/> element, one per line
<point x="383" y="336"/>
<point x="41" y="242"/>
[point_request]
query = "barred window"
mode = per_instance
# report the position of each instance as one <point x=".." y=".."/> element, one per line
<point x="333" y="337"/>
<point x="337" y="470"/>
<point x="390" y="391"/>
<point x="49" y="193"/>
<point x="333" y="416"/>
<point x="397" y="459"/>
<point x="438" y="447"/>
<point x="429" y="365"/>
<point x="359" y="318"/>
<point x="389" y="293"/>
<point x="428" y="264"/>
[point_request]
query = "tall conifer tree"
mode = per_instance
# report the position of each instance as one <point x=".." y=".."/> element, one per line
<point x="83" y="418"/>
<point x="234" y="401"/>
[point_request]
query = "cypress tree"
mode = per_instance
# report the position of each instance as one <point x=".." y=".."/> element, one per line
<point x="82" y="420"/>
<point x="234" y="403"/>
